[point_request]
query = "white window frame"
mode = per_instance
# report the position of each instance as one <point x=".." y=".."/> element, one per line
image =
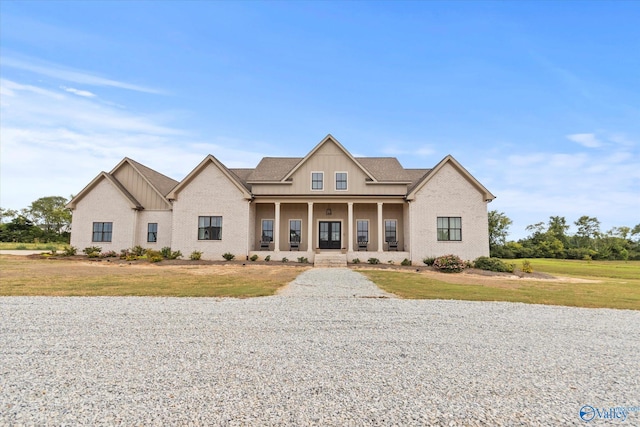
<point x="335" y="176"/>
<point x="317" y="189"/>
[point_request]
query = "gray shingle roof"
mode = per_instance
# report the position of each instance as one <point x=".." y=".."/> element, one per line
<point x="273" y="168"/>
<point x="163" y="183"/>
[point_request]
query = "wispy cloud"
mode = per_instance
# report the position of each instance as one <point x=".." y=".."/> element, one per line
<point x="54" y="142"/>
<point x="70" y="75"/>
<point x="78" y="92"/>
<point x="588" y="140"/>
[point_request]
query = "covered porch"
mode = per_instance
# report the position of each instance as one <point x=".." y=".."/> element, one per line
<point x="363" y="229"/>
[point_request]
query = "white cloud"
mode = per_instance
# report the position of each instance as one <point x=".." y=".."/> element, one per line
<point x="70" y="75"/>
<point x="79" y="92"/>
<point x="588" y="140"/>
<point x="54" y="143"/>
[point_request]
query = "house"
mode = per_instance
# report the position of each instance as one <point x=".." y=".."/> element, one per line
<point x="289" y="207"/>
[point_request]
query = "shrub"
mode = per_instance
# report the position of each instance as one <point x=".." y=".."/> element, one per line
<point x="166" y="252"/>
<point x="92" y="251"/>
<point x="176" y="255"/>
<point x="526" y="266"/>
<point x="21" y="247"/>
<point x="69" y="251"/>
<point x="254" y="257"/>
<point x="267" y="258"/>
<point x="139" y="251"/>
<point x="303" y="260"/>
<point x="285" y="259"/>
<point x="429" y="261"/>
<point x="109" y="254"/>
<point x="228" y="256"/>
<point x="355" y="261"/>
<point x="406" y="262"/>
<point x="373" y="261"/>
<point x="154" y="256"/>
<point x="493" y="264"/>
<point x="195" y="255"/>
<point x="449" y="264"/>
<point x="390" y="262"/>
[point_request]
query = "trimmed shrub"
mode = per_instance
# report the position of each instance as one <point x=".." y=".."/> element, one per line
<point x="303" y="260"/>
<point x="154" y="256"/>
<point x="449" y="264"/>
<point x="373" y="261"/>
<point x="355" y="261"/>
<point x="92" y="251"/>
<point x="285" y="259"/>
<point x="69" y="251"/>
<point x="166" y="252"/>
<point x="267" y="258"/>
<point x="429" y="261"/>
<point x="228" y="256"/>
<point x="254" y="257"/>
<point x="195" y="255"/>
<point x="406" y="262"/>
<point x="493" y="264"/>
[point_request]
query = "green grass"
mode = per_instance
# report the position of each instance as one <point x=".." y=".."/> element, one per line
<point x="32" y="246"/>
<point x="41" y="277"/>
<point x="615" y="285"/>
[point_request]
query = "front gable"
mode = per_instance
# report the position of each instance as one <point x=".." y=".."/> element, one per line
<point x="117" y="191"/>
<point x="130" y="176"/>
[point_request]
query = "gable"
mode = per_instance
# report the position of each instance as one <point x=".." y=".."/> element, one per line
<point x="102" y="181"/>
<point x="218" y="171"/>
<point x="455" y="174"/>
<point x="139" y="186"/>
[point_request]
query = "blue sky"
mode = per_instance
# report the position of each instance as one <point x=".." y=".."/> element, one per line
<point x="538" y="100"/>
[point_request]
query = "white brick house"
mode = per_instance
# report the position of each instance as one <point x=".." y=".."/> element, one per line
<point x="369" y="207"/>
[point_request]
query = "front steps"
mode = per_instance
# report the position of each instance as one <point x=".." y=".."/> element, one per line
<point x="329" y="259"/>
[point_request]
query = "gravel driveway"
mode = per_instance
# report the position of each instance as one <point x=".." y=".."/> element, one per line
<point x="330" y="349"/>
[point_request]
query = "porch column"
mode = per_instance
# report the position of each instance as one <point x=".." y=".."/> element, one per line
<point x="310" y="226"/>
<point x="380" y="229"/>
<point x="350" y="227"/>
<point x="276" y="229"/>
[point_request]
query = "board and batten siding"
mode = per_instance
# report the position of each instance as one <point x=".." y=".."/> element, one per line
<point x="140" y="188"/>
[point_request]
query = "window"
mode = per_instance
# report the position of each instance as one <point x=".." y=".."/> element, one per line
<point x="267" y="230"/>
<point x="295" y="230"/>
<point x="152" y="232"/>
<point x="341" y="181"/>
<point x="362" y="230"/>
<point x="449" y="228"/>
<point x="390" y="234"/>
<point x="102" y="231"/>
<point x="317" y="180"/>
<point x="209" y="228"/>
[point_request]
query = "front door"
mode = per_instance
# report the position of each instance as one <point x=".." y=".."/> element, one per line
<point x="330" y="235"/>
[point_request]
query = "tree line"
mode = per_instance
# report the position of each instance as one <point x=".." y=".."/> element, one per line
<point x="552" y="239"/>
<point x="46" y="220"/>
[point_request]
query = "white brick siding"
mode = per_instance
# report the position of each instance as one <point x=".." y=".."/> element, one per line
<point x="165" y="225"/>
<point x="211" y="193"/>
<point x="104" y="203"/>
<point x="449" y="194"/>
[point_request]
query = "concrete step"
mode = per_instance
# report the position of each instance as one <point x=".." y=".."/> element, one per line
<point x="330" y="260"/>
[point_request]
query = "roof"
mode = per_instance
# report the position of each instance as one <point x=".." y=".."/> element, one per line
<point x="161" y="182"/>
<point x="273" y="168"/>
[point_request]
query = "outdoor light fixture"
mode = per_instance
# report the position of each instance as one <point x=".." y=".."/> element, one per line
<point x="328" y="211"/>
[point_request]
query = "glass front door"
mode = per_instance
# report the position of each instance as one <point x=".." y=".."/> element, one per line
<point x="330" y="233"/>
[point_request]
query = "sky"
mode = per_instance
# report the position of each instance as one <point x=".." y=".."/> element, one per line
<point x="540" y="101"/>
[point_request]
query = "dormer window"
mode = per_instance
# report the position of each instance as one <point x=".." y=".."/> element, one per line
<point x="341" y="181"/>
<point x="317" y="181"/>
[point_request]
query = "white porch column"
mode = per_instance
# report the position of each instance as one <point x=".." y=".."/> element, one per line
<point x="310" y="226"/>
<point x="380" y="229"/>
<point x="276" y="229"/>
<point x="350" y="227"/>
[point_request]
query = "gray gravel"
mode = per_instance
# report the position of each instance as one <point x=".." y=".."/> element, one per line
<point x="313" y="355"/>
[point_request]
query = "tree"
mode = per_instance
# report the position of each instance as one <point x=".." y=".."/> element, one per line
<point x="588" y="230"/>
<point x="50" y="214"/>
<point x="558" y="228"/>
<point x="7" y="213"/>
<point x="498" y="228"/>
